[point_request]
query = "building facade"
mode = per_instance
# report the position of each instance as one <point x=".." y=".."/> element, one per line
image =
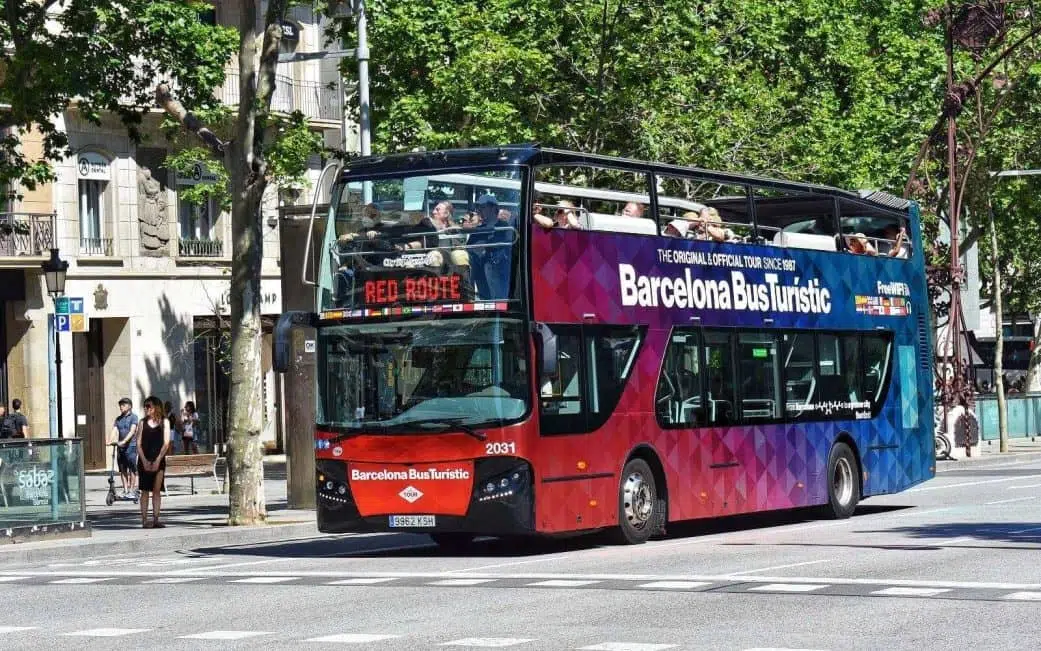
<point x="151" y="269"/>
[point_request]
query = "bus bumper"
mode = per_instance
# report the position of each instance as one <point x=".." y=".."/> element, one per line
<point x="502" y="502"/>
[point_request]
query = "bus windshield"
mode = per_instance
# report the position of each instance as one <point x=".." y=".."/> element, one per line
<point x="421" y="241"/>
<point x="407" y="376"/>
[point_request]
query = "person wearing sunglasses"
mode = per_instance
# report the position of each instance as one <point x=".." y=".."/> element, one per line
<point x="153" y="442"/>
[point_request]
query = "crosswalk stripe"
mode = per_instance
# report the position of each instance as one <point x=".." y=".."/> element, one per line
<point x="460" y="582"/>
<point x="488" y="642"/>
<point x="1023" y="596"/>
<point x="911" y="592"/>
<point x="177" y="579"/>
<point x="223" y="635"/>
<point x="561" y="583"/>
<point x="267" y="579"/>
<point x="627" y="646"/>
<point x="353" y="638"/>
<point x="82" y="580"/>
<point x="787" y="587"/>
<point x="674" y="585"/>
<point x="107" y="632"/>
<point x="12" y="579"/>
<point x="16" y="629"/>
<point x="362" y="581"/>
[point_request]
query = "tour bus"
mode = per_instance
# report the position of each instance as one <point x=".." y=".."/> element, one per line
<point x="580" y="343"/>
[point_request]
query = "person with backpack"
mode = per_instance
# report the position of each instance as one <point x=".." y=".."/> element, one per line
<point x="20" y="422"/>
<point x="6" y="424"/>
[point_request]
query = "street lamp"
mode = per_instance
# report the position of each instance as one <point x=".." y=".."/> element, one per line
<point x="54" y="271"/>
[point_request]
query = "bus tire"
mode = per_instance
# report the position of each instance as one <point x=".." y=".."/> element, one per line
<point x="639" y="509"/>
<point x="452" y="541"/>
<point x="843" y="486"/>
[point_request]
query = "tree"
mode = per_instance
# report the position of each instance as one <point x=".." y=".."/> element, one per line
<point x="96" y="56"/>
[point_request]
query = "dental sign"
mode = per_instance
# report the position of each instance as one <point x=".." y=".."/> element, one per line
<point x="91" y="166"/>
<point x="746" y="283"/>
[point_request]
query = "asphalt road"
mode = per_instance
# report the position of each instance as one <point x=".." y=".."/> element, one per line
<point x="953" y="564"/>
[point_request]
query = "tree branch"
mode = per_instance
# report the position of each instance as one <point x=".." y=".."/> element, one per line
<point x="177" y="111"/>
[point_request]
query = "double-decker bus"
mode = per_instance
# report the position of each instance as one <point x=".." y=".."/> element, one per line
<point x="521" y="340"/>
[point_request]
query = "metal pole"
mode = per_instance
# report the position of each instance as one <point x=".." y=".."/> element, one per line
<point x="57" y="372"/>
<point x="52" y="376"/>
<point x="365" y="127"/>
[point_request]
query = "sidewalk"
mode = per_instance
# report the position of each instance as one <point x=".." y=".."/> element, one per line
<point x="1019" y="450"/>
<point x="192" y="521"/>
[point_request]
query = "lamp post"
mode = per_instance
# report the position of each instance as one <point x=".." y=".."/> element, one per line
<point x="54" y="271"/>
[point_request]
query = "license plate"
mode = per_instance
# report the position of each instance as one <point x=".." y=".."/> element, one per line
<point x="412" y="521"/>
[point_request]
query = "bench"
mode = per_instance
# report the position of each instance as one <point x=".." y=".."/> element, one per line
<point x="192" y="466"/>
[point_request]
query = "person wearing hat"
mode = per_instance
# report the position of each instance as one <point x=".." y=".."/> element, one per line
<point x="123" y="433"/>
<point x="489" y="249"/>
<point x="676" y="228"/>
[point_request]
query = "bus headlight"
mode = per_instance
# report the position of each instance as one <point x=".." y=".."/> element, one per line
<point x="503" y="485"/>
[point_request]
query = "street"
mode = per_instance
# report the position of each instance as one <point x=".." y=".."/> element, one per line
<point x="952" y="564"/>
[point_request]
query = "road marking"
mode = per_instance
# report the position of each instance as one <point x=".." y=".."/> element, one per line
<point x="16" y="629"/>
<point x="353" y="638"/>
<point x="911" y="592"/>
<point x="461" y="582"/>
<point x="674" y="585"/>
<point x="970" y="483"/>
<point x="488" y="642"/>
<point x="223" y="635"/>
<point x="1024" y="596"/>
<point x="107" y="632"/>
<point x="1016" y="488"/>
<point x="787" y="587"/>
<point x="627" y="646"/>
<point x="1014" y="499"/>
<point x="363" y="581"/>
<point x="82" y="579"/>
<point x="561" y="583"/>
<point x="176" y="579"/>
<point x="267" y="579"/>
<point x="779" y="648"/>
<point x="779" y="567"/>
<point x="12" y="579"/>
<point x="230" y="565"/>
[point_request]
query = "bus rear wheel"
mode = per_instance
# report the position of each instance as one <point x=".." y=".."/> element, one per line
<point x="639" y="509"/>
<point x="843" y="486"/>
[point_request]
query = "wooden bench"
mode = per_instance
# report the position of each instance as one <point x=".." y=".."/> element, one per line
<point x="192" y="466"/>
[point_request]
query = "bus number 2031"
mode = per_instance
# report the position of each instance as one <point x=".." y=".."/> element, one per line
<point x="500" y="448"/>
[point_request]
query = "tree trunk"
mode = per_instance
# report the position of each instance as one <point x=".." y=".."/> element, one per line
<point x="999" y="346"/>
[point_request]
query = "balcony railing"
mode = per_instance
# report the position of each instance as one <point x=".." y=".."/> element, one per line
<point x="201" y="248"/>
<point x="26" y="233"/>
<point x="315" y="100"/>
<point x="101" y="246"/>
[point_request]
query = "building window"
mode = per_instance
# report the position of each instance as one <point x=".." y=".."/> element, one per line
<point x="92" y="218"/>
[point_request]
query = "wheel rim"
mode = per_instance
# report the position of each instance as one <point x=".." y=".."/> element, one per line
<point x="637" y="500"/>
<point x="842" y="482"/>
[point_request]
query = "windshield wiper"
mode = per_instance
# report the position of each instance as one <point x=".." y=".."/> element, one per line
<point x="382" y="429"/>
<point x="447" y="425"/>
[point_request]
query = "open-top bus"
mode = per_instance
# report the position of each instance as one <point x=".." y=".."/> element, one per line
<point x="577" y="343"/>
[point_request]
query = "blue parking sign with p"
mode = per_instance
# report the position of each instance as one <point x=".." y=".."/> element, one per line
<point x="62" y="322"/>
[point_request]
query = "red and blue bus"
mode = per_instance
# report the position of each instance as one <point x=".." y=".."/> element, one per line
<point x="521" y="340"/>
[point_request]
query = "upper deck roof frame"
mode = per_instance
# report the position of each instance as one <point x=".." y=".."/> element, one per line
<point x="534" y="154"/>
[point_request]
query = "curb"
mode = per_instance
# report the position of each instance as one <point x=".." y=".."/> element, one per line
<point x="990" y="459"/>
<point x="86" y="548"/>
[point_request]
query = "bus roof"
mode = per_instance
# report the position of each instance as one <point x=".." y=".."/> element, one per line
<point x="444" y="161"/>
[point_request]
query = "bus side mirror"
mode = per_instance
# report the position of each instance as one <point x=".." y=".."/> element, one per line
<point x="281" y="341"/>
<point x="546" y="346"/>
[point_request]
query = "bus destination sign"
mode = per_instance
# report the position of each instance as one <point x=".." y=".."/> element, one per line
<point x="413" y="289"/>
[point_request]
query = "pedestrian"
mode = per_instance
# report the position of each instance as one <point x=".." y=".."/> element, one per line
<point x="175" y="426"/>
<point x="6" y="424"/>
<point x="153" y="442"/>
<point x="189" y="424"/>
<point x="124" y="433"/>
<point x="21" y="423"/>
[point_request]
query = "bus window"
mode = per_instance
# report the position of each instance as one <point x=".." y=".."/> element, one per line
<point x="759" y="373"/>
<point x="601" y="199"/>
<point x="717" y="212"/>
<point x="795" y="219"/>
<point x="561" y="394"/>
<point x="867" y="232"/>
<point x="876" y="360"/>
<point x="800" y="379"/>
<point x="719" y="371"/>
<point x="678" y="401"/>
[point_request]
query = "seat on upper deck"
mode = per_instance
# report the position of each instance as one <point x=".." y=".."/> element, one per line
<point x="805" y="241"/>
<point x="595" y="221"/>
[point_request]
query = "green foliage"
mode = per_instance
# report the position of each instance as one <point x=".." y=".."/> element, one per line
<point x="102" y="56"/>
<point x="291" y="146"/>
<point x="184" y="162"/>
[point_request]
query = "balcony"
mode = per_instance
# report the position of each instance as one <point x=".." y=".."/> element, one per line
<point x="200" y="248"/>
<point x="96" y="246"/>
<point x="315" y="100"/>
<point x="26" y="234"/>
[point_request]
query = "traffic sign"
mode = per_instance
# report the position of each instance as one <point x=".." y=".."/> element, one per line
<point x="75" y="305"/>
<point x="62" y="323"/>
<point x="77" y="323"/>
<point x="61" y="305"/>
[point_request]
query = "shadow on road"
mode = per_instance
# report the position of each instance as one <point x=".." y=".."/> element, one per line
<point x="1019" y="533"/>
<point x="408" y="545"/>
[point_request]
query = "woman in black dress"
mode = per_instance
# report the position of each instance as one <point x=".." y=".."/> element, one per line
<point x="153" y="442"/>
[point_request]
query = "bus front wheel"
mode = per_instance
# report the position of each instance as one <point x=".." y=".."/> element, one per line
<point x="639" y="509"/>
<point x="843" y="486"/>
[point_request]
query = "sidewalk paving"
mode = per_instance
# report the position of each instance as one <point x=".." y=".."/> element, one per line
<point x="192" y="521"/>
<point x="1019" y="450"/>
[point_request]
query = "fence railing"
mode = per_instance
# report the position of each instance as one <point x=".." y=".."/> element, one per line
<point x="41" y="484"/>
<point x="96" y="246"/>
<point x="1024" y="415"/>
<point x="200" y="248"/>
<point x="315" y="100"/>
<point x="26" y="233"/>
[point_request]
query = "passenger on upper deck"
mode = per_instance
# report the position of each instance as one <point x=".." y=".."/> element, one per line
<point x="858" y="243"/>
<point x="895" y="244"/>
<point x="676" y="228"/>
<point x="489" y="246"/>
<point x="564" y="217"/>
<point x="710" y="226"/>
<point x="449" y="232"/>
<point x="633" y="209"/>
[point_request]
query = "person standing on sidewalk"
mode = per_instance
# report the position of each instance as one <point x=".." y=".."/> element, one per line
<point x="124" y="433"/>
<point x="21" y="423"/>
<point x="189" y="423"/>
<point x="153" y="442"/>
